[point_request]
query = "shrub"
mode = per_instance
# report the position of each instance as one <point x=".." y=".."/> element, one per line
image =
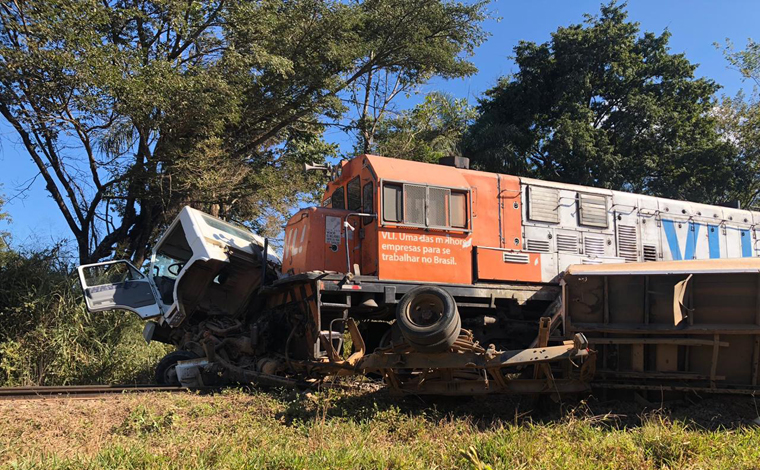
<point x="47" y="337"/>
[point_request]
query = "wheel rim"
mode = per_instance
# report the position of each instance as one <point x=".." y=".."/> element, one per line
<point x="170" y="374"/>
<point x="425" y="310"/>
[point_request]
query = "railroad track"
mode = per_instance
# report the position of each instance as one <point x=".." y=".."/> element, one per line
<point x="80" y="391"/>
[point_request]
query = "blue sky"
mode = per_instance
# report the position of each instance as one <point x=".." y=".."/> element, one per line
<point x="695" y="25"/>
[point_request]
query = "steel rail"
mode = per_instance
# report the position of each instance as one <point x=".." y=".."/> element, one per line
<point x="80" y="391"/>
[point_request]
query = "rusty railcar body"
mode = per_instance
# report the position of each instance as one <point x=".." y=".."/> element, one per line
<point x="689" y="325"/>
<point x="437" y="278"/>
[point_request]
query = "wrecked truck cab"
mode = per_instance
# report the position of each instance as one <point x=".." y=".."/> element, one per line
<point x="201" y="266"/>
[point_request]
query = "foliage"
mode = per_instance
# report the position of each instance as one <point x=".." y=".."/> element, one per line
<point x="131" y="110"/>
<point x="746" y="61"/>
<point x="739" y="117"/>
<point x="602" y="105"/>
<point x="431" y="130"/>
<point x="373" y="93"/>
<point x="48" y="338"/>
<point x="4" y="236"/>
<point x="739" y="123"/>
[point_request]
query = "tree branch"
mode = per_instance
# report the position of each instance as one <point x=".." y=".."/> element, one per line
<point x="51" y="186"/>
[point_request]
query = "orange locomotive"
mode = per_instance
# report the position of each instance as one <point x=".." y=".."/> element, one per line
<point x="431" y="224"/>
<point x="388" y="226"/>
<point x="445" y="224"/>
<point x="389" y="229"/>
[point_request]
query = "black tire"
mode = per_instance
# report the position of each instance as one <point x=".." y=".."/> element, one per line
<point x="165" y="373"/>
<point x="428" y="319"/>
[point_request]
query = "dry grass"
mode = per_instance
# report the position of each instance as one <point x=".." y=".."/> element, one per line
<point x="283" y="430"/>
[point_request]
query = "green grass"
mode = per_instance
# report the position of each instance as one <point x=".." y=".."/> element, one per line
<point x="342" y="430"/>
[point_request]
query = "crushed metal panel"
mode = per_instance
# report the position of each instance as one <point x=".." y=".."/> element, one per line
<point x="660" y="299"/>
<point x="679" y="308"/>
<point x="224" y="270"/>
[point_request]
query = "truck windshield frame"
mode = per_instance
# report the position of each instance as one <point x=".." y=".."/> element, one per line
<point x="396" y="212"/>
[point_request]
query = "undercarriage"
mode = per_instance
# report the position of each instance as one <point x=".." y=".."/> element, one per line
<point x="499" y="339"/>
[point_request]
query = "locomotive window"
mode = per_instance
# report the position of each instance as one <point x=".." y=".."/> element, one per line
<point x="354" y="194"/>
<point x="392" y="200"/>
<point x="438" y="210"/>
<point x="367" y="196"/>
<point x="459" y="210"/>
<point x="592" y="210"/>
<point x="414" y="204"/>
<point x="424" y="206"/>
<point x="339" y="199"/>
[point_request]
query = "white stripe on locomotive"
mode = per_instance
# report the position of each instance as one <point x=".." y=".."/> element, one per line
<point x="638" y="228"/>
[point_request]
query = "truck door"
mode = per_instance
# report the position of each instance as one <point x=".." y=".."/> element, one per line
<point x="114" y="285"/>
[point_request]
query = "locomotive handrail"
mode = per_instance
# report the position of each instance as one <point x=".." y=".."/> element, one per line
<point x="613" y="206"/>
<point x="516" y="191"/>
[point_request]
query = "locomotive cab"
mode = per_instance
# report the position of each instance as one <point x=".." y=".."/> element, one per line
<point x="400" y="220"/>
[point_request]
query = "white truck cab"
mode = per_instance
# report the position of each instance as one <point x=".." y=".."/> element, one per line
<point x="201" y="264"/>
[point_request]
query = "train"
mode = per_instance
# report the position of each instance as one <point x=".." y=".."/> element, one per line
<point x="449" y="224"/>
<point x="434" y="277"/>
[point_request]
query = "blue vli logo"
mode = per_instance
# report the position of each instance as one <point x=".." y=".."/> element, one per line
<point x="675" y="247"/>
<point x="713" y="240"/>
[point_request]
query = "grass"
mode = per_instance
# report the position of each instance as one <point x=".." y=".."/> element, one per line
<point x="366" y="430"/>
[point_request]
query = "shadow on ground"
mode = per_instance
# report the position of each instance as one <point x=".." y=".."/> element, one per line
<point x="622" y="410"/>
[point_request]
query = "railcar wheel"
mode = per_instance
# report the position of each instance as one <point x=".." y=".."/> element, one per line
<point x="166" y="370"/>
<point x="428" y="319"/>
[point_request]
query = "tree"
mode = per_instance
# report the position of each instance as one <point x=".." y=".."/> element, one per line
<point x="132" y="109"/>
<point x="3" y="235"/>
<point x="431" y="130"/>
<point x="602" y="105"/>
<point x="373" y="93"/>
<point x="739" y="123"/>
<point x="746" y="61"/>
<point x="739" y="118"/>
